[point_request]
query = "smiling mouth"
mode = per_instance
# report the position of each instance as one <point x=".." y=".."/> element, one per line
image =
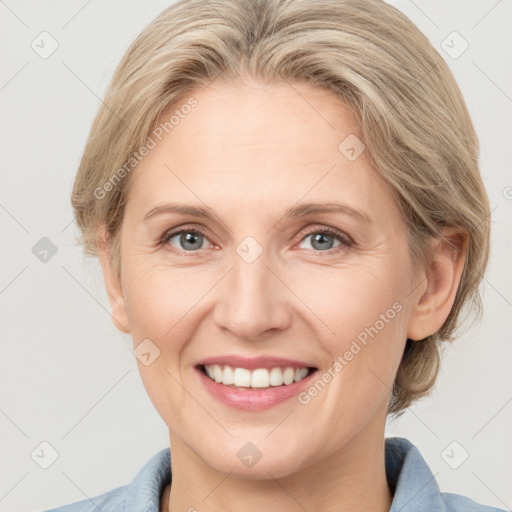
<point x="259" y="378"/>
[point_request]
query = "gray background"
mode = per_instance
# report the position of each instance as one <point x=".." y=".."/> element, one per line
<point x="70" y="379"/>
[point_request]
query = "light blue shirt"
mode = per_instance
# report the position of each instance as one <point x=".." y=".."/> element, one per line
<point x="414" y="485"/>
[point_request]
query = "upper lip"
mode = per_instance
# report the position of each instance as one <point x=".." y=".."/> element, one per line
<point x="253" y="363"/>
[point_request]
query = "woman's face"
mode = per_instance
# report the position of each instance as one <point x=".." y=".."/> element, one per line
<point x="260" y="281"/>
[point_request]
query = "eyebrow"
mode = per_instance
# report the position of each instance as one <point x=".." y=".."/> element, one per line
<point x="301" y="210"/>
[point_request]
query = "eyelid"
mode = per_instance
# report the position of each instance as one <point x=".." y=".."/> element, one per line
<point x="345" y="239"/>
<point x="342" y="236"/>
<point x="171" y="233"/>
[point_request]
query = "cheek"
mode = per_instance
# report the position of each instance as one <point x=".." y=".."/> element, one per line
<point x="340" y="304"/>
<point x="362" y="319"/>
<point x="353" y="313"/>
<point x="354" y="303"/>
<point x="158" y="297"/>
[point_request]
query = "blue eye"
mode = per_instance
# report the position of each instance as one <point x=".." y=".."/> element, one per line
<point x="188" y="239"/>
<point x="191" y="240"/>
<point x="322" y="240"/>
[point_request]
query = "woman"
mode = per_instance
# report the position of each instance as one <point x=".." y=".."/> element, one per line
<point x="285" y="199"/>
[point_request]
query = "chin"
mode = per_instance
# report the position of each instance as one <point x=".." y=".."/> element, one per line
<point x="249" y="463"/>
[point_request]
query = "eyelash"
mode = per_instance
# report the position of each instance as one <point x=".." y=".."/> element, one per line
<point x="345" y="240"/>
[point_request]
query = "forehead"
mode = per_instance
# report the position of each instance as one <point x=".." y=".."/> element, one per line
<point x="258" y="144"/>
<point x="234" y="121"/>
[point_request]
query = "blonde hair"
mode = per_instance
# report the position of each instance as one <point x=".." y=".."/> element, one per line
<point x="412" y="117"/>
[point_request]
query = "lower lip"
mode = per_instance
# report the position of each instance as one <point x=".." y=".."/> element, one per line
<point x="248" y="399"/>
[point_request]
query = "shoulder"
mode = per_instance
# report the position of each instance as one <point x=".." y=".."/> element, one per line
<point x="458" y="503"/>
<point x="414" y="486"/>
<point x="141" y="494"/>
<point x="111" y="501"/>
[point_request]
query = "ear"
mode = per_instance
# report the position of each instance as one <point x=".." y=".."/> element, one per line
<point x="112" y="283"/>
<point x="440" y="280"/>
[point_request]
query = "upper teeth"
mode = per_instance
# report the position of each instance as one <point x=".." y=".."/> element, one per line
<point x="260" y="378"/>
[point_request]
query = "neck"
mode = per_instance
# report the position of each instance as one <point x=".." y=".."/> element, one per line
<point x="353" y="478"/>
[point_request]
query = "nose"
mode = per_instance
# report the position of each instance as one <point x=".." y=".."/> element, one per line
<point x="253" y="301"/>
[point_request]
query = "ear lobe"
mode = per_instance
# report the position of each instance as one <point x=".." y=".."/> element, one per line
<point x="112" y="284"/>
<point x="433" y="303"/>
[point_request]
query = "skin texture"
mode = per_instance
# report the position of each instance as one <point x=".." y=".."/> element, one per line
<point x="249" y="152"/>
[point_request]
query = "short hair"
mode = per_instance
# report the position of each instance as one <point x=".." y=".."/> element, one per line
<point x="413" y="119"/>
